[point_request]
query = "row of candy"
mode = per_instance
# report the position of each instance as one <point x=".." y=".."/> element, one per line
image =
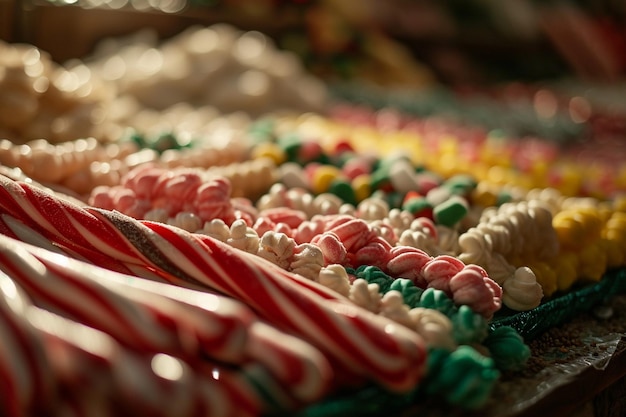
<point x="331" y="330"/>
<point x="500" y="223"/>
<point x="287" y="237"/>
<point x="501" y="240"/>
<point x="128" y="82"/>
<point x="79" y="166"/>
<point x="337" y="176"/>
<point x="591" y="168"/>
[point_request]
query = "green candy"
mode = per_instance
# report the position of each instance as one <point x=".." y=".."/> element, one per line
<point x="373" y="275"/>
<point x="411" y="293"/>
<point x="418" y="205"/>
<point x="468" y="327"/>
<point x="437" y="300"/>
<point x="464" y="378"/>
<point x="507" y="348"/>
<point x="460" y="184"/>
<point x="380" y="179"/>
<point x="290" y="144"/>
<point x="343" y="190"/>
<point x="503" y="197"/>
<point x="451" y="211"/>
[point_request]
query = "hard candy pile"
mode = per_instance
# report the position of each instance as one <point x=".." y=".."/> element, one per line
<point x="235" y="264"/>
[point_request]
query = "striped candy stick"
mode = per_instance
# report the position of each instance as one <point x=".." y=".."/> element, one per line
<point x="91" y="363"/>
<point x="367" y="345"/>
<point x="143" y="321"/>
<point x="25" y="375"/>
<point x="216" y="322"/>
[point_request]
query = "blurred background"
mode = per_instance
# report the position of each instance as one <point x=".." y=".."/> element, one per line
<point x="456" y="42"/>
<point x="472" y="59"/>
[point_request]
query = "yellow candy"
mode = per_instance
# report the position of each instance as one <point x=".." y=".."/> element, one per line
<point x="323" y="177"/>
<point x="619" y="203"/>
<point x="362" y="187"/>
<point x="614" y="252"/>
<point x="566" y="269"/>
<point x="546" y="277"/>
<point x="593" y="262"/>
<point x="482" y="195"/>
<point x="591" y="222"/>
<point x="269" y="150"/>
<point x="570" y="232"/>
<point x="617" y="223"/>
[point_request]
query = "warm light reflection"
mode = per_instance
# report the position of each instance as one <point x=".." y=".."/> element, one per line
<point x="151" y="61"/>
<point x="254" y="83"/>
<point x="7" y="286"/>
<point x="41" y="84"/>
<point x="203" y="41"/>
<point x="165" y="6"/>
<point x="250" y="46"/>
<point x="32" y="56"/>
<point x="579" y="109"/>
<point x="114" y="68"/>
<point x="545" y="104"/>
<point x="167" y="367"/>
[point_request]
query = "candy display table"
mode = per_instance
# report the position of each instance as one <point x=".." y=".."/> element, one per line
<point x="239" y="243"/>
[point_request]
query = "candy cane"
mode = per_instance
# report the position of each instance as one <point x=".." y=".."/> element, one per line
<point x="129" y="308"/>
<point x="365" y="344"/>
<point x="91" y="362"/>
<point x="144" y="321"/>
<point x="26" y="378"/>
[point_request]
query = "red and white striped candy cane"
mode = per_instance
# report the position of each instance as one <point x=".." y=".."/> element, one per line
<point x="26" y="378"/>
<point x="127" y="308"/>
<point x="368" y="345"/>
<point x="144" y="321"/>
<point x="90" y="362"/>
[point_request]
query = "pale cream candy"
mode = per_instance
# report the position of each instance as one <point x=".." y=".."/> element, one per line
<point x="475" y="248"/>
<point x="521" y="291"/>
<point x="402" y="176"/>
<point x="366" y="295"/>
<point x="433" y="326"/>
<point x="551" y="197"/>
<point x="236" y="71"/>
<point x="243" y="237"/>
<point x="187" y="221"/>
<point x="399" y="220"/>
<point x="448" y="240"/>
<point x="392" y="306"/>
<point x="499" y="268"/>
<point x="292" y="175"/>
<point x="275" y="197"/>
<point x="382" y="229"/>
<point x="307" y="261"/>
<point x="335" y="278"/>
<point x="157" y="215"/>
<point x="327" y="203"/>
<point x="372" y="209"/>
<point x="277" y="248"/>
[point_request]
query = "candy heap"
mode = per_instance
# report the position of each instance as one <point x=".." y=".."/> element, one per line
<point x="270" y="262"/>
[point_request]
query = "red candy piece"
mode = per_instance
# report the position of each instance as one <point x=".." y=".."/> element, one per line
<point x="440" y="270"/>
<point x="471" y="287"/>
<point x="407" y="262"/>
<point x="333" y="250"/>
<point x="290" y="217"/>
